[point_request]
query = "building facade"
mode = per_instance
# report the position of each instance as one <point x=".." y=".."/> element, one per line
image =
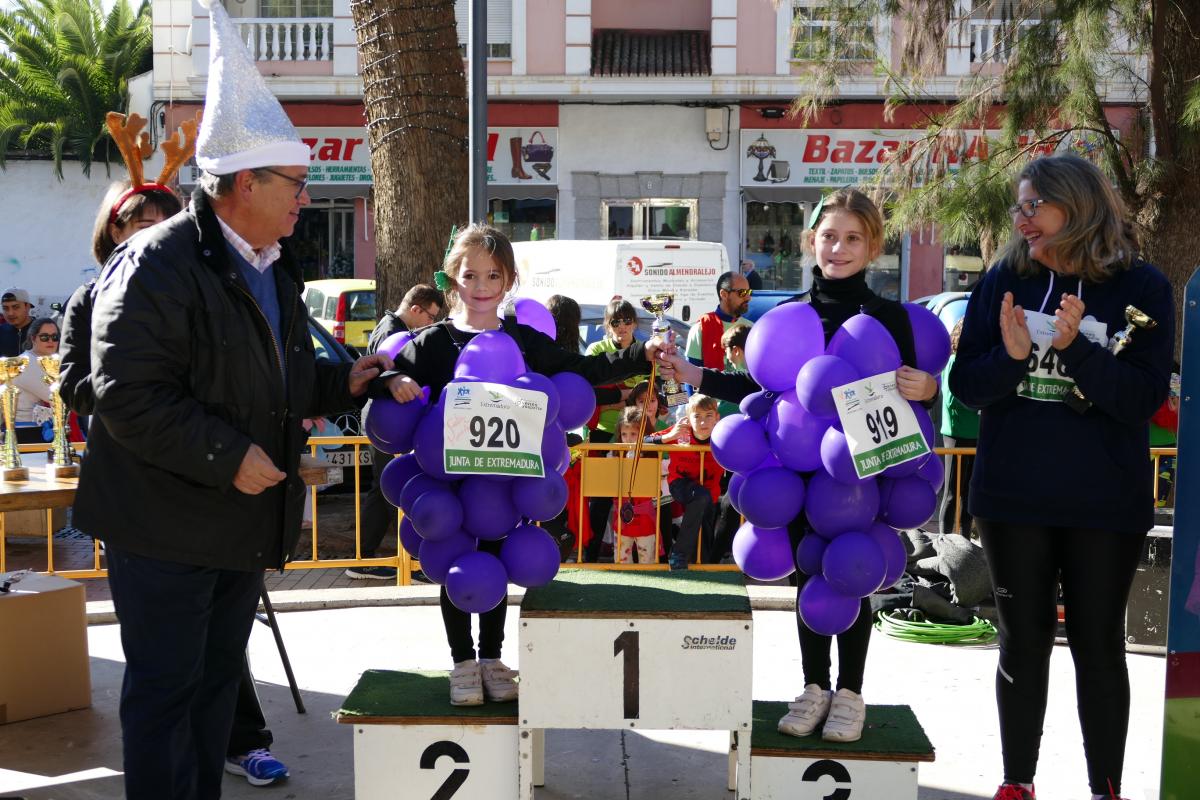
<point x="614" y="119"/>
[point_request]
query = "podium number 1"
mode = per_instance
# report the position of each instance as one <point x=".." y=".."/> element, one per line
<point x="627" y="645"/>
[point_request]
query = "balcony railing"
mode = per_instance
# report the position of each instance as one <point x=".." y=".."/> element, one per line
<point x="287" y="39"/>
<point x="983" y="41"/>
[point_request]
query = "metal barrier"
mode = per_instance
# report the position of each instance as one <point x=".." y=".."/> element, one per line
<point x="405" y="565"/>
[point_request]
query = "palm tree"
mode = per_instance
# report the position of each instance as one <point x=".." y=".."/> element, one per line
<point x="64" y="64"/>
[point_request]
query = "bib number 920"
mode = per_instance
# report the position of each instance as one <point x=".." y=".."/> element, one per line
<point x="883" y="424"/>
<point x="494" y="432"/>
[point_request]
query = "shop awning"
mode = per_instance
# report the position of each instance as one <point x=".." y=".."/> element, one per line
<point x="523" y="192"/>
<point x="781" y="194"/>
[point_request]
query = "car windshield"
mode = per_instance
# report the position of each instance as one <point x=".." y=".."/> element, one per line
<point x="315" y="301"/>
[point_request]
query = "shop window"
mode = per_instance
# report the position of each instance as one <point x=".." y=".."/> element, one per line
<point x="774" y="234"/>
<point x="883" y="274"/>
<point x="323" y="242"/>
<point x="525" y="220"/>
<point x="964" y="267"/>
<point x="649" y="219"/>
<point x="499" y="27"/>
<point x="814" y="26"/>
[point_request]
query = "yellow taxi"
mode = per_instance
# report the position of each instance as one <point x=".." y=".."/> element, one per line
<point x="345" y="307"/>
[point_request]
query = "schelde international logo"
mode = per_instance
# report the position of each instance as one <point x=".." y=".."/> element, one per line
<point x="635" y="266"/>
<point x="709" y="643"/>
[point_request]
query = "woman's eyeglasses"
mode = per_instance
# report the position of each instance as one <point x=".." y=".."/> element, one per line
<point x="1027" y="209"/>
<point x="47" y="337"/>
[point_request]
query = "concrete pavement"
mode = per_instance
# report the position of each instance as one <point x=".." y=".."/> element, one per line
<point x="951" y="691"/>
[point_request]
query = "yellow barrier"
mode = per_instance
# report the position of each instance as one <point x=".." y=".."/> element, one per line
<point x="405" y="565"/>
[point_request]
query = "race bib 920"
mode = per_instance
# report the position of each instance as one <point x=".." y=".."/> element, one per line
<point x="493" y="429"/>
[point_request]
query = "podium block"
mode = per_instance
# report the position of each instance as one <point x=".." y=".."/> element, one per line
<point x="881" y="764"/>
<point x="410" y="742"/>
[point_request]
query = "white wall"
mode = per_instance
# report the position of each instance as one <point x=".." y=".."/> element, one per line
<point x="46" y="227"/>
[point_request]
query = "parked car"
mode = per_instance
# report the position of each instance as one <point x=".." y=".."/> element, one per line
<point x="949" y="306"/>
<point x="345" y="307"/>
<point x="348" y="423"/>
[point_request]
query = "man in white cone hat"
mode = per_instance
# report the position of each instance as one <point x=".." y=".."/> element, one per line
<point x="203" y="370"/>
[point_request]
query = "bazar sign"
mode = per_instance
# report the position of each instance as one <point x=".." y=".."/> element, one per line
<point x="337" y="156"/>
<point x="837" y="157"/>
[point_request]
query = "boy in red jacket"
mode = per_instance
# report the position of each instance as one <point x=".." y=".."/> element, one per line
<point x="695" y="481"/>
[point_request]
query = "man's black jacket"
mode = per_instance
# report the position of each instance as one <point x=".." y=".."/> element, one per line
<point x="185" y="376"/>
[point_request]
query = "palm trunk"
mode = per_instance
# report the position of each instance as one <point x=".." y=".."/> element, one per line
<point x="415" y="97"/>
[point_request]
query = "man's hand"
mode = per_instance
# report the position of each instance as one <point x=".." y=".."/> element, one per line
<point x="684" y="370"/>
<point x="657" y="345"/>
<point x="403" y="388"/>
<point x="365" y="370"/>
<point x="256" y="473"/>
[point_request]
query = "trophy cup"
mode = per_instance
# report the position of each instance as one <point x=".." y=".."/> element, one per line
<point x="10" y="457"/>
<point x="1135" y="319"/>
<point x="657" y="304"/>
<point x="63" y="463"/>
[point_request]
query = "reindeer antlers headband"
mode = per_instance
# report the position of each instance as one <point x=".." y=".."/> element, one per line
<point x="134" y="144"/>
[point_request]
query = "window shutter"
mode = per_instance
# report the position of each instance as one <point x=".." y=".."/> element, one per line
<point x="499" y="22"/>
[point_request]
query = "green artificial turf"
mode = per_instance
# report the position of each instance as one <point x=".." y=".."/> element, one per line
<point x="610" y="591"/>
<point x="388" y="693"/>
<point x="890" y="730"/>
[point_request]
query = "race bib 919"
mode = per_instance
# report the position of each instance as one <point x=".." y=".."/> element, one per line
<point x="493" y="429"/>
<point x="880" y="426"/>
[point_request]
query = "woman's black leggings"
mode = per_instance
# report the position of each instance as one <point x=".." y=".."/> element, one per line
<point x="1096" y="569"/>
<point x="458" y="623"/>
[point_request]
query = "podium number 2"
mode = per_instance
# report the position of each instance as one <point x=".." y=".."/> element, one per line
<point x="456" y="778"/>
<point x="627" y="644"/>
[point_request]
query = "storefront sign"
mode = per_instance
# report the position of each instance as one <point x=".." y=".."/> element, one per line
<point x="338" y="156"/>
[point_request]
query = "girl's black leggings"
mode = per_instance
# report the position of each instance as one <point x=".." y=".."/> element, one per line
<point x="1096" y="569"/>
<point x="458" y="623"/>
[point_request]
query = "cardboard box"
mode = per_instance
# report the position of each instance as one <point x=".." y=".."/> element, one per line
<point x="43" y="635"/>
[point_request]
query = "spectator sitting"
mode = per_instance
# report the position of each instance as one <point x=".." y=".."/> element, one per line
<point x="33" y="399"/>
<point x="635" y="525"/>
<point x="695" y="481"/>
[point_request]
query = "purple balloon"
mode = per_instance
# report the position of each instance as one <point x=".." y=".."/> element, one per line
<point x="532" y="313"/>
<point x="781" y="342"/>
<point x="410" y="540"/>
<point x="794" y="434"/>
<point x="771" y="497"/>
<point x="739" y="443"/>
<point x="809" y="553"/>
<point x="906" y="503"/>
<point x="530" y="555"/>
<point x="491" y="356"/>
<point x="930" y="338"/>
<point x="429" y="443"/>
<point x="396" y="475"/>
<point x="893" y="552"/>
<point x="390" y="425"/>
<point x="758" y="404"/>
<point x="577" y="399"/>
<point x="539" y="498"/>
<point x="556" y="455"/>
<point x="836" y="458"/>
<point x="392" y="345"/>
<point x="736" y="481"/>
<point x="854" y="564"/>
<point x="538" y="382"/>
<point x="824" y="610"/>
<point x="416" y="486"/>
<point x="764" y="554"/>
<point x="834" y="507"/>
<point x="816" y="381"/>
<point x="437" y="514"/>
<point x="476" y="582"/>
<point x="436" y="557"/>
<point x="866" y="344"/>
<point x="932" y="471"/>
<point x="488" y="510"/>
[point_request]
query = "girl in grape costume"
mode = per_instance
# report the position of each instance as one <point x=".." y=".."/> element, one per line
<point x="845" y="235"/>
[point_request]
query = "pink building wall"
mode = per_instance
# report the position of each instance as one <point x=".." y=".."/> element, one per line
<point x="545" y="37"/>
<point x="665" y="15"/>
<point x="755" y="37"/>
<point x="364" y="241"/>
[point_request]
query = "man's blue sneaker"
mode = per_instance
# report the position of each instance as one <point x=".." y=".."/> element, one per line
<point x="258" y="766"/>
<point x="677" y="562"/>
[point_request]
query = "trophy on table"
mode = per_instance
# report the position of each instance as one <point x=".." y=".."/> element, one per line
<point x="10" y="457"/>
<point x="1136" y="320"/>
<point x="657" y="304"/>
<point x="63" y="463"/>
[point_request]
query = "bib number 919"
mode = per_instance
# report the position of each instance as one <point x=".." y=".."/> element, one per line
<point x="883" y="424"/>
<point x="494" y="432"/>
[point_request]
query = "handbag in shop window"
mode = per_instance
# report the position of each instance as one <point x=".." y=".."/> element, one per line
<point x="536" y="151"/>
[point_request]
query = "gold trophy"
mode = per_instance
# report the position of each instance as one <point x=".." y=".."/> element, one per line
<point x="10" y="457"/>
<point x="1136" y="319"/>
<point x="657" y="304"/>
<point x="63" y="464"/>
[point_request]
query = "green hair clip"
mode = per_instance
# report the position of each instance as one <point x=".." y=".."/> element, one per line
<point x="815" y="217"/>
<point x="440" y="279"/>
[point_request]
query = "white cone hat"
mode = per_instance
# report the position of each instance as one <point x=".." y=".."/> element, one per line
<point x="244" y="126"/>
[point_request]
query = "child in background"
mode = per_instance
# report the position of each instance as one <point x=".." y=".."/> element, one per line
<point x="698" y="493"/>
<point x="734" y="343"/>
<point x="960" y="428"/>
<point x="637" y="527"/>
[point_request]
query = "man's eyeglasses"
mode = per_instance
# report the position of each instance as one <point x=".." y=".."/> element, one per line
<point x="1027" y="209"/>
<point x="47" y="337"/>
<point x="740" y="292"/>
<point x="301" y="183"/>
<point x="622" y="321"/>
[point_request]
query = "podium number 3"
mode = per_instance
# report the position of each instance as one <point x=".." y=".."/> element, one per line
<point x="627" y="644"/>
<point x="455" y="779"/>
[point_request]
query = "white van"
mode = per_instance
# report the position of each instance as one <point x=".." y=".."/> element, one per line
<point x="593" y="271"/>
